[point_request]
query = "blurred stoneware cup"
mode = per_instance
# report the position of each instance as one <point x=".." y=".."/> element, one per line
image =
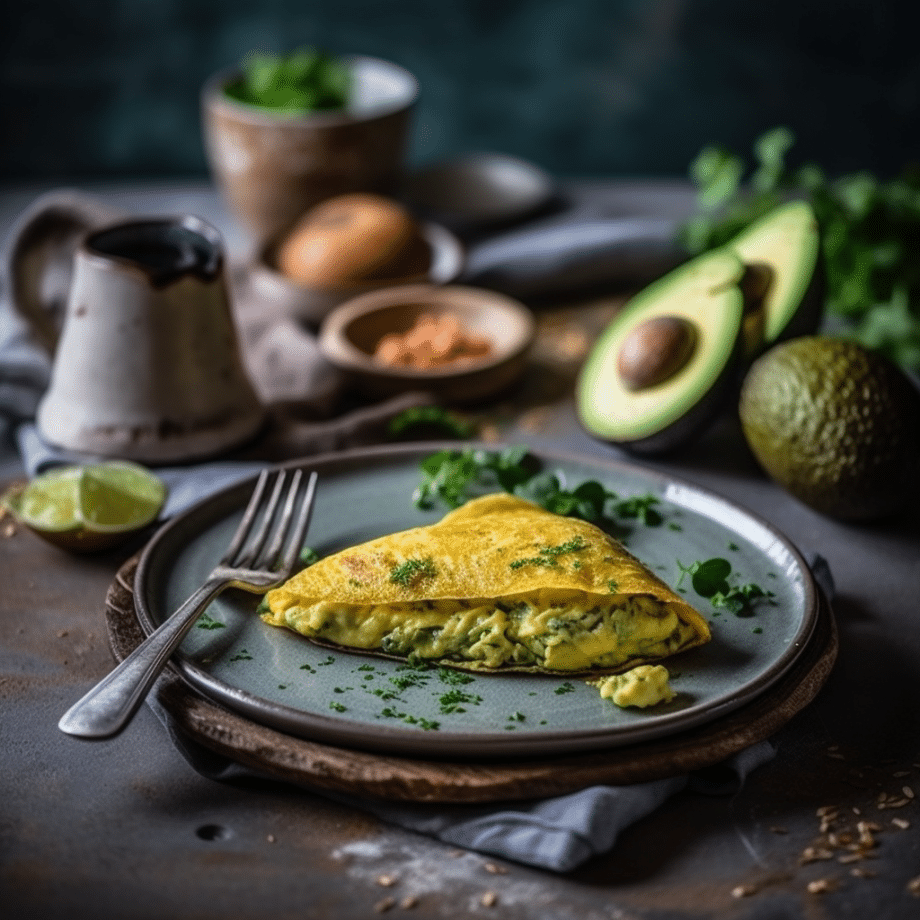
<point x="271" y="167"/>
<point x="146" y="358"/>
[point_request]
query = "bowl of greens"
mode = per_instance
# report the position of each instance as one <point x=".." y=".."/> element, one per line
<point x="283" y="132"/>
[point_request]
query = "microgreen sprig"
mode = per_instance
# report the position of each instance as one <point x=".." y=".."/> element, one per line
<point x="710" y="579"/>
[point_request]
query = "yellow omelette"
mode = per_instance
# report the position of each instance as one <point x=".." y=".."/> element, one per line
<point x="497" y="585"/>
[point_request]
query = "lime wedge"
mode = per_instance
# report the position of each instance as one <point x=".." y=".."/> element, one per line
<point x="114" y="497"/>
<point x="88" y="508"/>
<point x="50" y="502"/>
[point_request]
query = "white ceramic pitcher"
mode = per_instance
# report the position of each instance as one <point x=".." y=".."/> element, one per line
<point x="146" y="357"/>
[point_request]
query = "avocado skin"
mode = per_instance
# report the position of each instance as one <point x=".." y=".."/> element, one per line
<point x="836" y="424"/>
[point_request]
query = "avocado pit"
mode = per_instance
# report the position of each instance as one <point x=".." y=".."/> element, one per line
<point x="654" y="351"/>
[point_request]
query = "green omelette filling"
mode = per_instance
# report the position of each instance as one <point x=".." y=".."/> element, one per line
<point x="577" y="634"/>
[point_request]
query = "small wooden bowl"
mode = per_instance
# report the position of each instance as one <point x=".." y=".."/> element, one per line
<point x="286" y="298"/>
<point x="352" y="330"/>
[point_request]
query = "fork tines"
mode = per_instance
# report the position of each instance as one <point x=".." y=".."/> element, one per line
<point x="278" y="511"/>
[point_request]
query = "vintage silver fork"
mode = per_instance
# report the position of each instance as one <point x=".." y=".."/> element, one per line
<point x="251" y="562"/>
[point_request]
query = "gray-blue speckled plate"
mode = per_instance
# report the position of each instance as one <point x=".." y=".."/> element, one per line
<point x="279" y="678"/>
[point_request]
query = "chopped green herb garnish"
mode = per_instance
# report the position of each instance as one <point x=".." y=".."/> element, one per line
<point x="452" y="477"/>
<point x="427" y="724"/>
<point x="242" y="655"/>
<point x="548" y="555"/>
<point x="733" y="547"/>
<point x="412" y="679"/>
<point x="308" y="667"/>
<point x="427" y="418"/>
<point x="456" y="700"/>
<point x="206" y="621"/>
<point x="516" y="717"/>
<point x="454" y="678"/>
<point x="414" y="662"/>
<point x="588" y="500"/>
<point x="308" y="556"/>
<point x="567" y="687"/>
<point x="412" y="571"/>
<point x="326" y="661"/>
<point x="338" y="707"/>
<point x="640" y="507"/>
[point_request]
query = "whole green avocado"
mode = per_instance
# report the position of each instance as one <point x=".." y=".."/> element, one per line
<point x="836" y="424"/>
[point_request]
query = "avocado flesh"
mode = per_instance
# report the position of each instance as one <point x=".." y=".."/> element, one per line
<point x="656" y="419"/>
<point x="835" y="424"/>
<point x="787" y="242"/>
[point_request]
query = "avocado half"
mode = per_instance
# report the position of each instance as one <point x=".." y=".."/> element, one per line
<point x="693" y="370"/>
<point x="784" y="282"/>
<point x="663" y="368"/>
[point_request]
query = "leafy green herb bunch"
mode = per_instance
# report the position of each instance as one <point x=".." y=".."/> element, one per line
<point x="297" y="82"/>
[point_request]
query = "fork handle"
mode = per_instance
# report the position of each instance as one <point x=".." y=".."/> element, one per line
<point x="110" y="705"/>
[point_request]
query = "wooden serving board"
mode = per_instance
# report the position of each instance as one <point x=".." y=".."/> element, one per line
<point x="335" y="769"/>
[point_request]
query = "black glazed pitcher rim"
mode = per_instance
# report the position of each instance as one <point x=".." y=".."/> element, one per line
<point x="163" y="249"/>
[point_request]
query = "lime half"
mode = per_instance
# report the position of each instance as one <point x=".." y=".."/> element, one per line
<point x="87" y="508"/>
<point x="50" y="502"/>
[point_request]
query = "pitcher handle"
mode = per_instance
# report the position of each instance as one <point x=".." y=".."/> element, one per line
<point x="39" y="256"/>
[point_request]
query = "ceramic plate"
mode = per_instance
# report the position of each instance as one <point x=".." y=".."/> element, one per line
<point x="279" y="678"/>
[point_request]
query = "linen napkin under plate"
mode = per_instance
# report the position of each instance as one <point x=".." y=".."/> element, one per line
<point x="558" y="833"/>
<point x="569" y="250"/>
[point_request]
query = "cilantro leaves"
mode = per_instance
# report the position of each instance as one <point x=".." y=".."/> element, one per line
<point x="416" y="421"/>
<point x="451" y="476"/>
<point x="454" y="476"/>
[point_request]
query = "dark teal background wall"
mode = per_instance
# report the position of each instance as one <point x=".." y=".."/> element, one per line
<point x="109" y="88"/>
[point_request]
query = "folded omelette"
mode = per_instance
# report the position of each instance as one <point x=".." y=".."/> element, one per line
<point x="498" y="585"/>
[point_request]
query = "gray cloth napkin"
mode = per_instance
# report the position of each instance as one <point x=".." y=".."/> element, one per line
<point x="558" y="833"/>
<point x="566" y="252"/>
<point x="567" y="255"/>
